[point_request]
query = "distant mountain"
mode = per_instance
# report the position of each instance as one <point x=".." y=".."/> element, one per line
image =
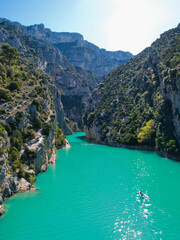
<point x="78" y="51"/>
<point x="138" y="104"/>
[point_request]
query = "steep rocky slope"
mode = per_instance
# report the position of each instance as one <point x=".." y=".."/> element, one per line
<point x="138" y="104"/>
<point x="78" y="51"/>
<point x="29" y="134"/>
<point x="74" y="83"/>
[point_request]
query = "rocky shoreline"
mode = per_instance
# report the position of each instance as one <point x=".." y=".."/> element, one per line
<point x="135" y="147"/>
<point x="22" y="185"/>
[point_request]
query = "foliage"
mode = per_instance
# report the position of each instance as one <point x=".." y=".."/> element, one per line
<point x="14" y="85"/>
<point x="46" y="128"/>
<point x="2" y="131"/>
<point x="135" y="104"/>
<point x="28" y="155"/>
<point x="5" y="94"/>
<point x="16" y="165"/>
<point x="145" y="135"/>
<point x="32" y="179"/>
<point x="60" y="138"/>
<point x="14" y="154"/>
<point x="37" y="103"/>
<point x="8" y="54"/>
<point x="17" y="140"/>
<point x="37" y="123"/>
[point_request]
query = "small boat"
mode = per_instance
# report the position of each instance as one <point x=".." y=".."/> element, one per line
<point x="142" y="195"/>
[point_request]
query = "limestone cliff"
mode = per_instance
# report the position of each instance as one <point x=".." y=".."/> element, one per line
<point x="78" y="51"/>
<point x="73" y="83"/>
<point x="29" y="134"/>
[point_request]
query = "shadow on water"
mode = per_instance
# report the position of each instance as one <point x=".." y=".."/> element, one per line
<point x="85" y="139"/>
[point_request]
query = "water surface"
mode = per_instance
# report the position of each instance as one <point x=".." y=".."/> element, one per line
<point x="91" y="194"/>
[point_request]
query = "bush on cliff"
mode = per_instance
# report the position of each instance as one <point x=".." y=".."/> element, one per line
<point x="5" y="95"/>
<point x="60" y="138"/>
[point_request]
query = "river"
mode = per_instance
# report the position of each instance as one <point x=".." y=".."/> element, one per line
<point x="91" y="194"/>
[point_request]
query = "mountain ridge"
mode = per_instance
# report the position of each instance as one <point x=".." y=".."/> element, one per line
<point x="86" y="50"/>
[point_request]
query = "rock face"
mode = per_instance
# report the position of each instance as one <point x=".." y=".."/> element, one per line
<point x="138" y="104"/>
<point x="73" y="83"/>
<point x="78" y="51"/>
<point x="28" y="120"/>
<point x="55" y="53"/>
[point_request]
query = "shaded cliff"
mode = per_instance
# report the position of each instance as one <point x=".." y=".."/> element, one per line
<point x="138" y="104"/>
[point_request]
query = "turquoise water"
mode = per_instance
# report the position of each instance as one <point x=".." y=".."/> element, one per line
<point x="91" y="194"/>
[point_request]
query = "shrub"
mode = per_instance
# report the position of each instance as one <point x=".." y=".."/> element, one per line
<point x="21" y="173"/>
<point x="17" y="140"/>
<point x="2" y="131"/>
<point x="46" y="128"/>
<point x="37" y="103"/>
<point x="9" y="54"/>
<point x="14" y="86"/>
<point x="145" y="134"/>
<point x="27" y="133"/>
<point x="59" y="138"/>
<point x="32" y="166"/>
<point x="32" y="179"/>
<point x="37" y="123"/>
<point x="5" y="94"/>
<point x="14" y="154"/>
<point x="171" y="146"/>
<point x="40" y="91"/>
<point x="29" y="154"/>
<point x="16" y="165"/>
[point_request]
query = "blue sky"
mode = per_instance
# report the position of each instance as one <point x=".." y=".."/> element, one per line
<point x="129" y="25"/>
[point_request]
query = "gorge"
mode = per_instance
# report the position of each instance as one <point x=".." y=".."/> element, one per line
<point x="54" y="84"/>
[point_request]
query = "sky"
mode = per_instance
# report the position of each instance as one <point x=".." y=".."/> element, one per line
<point x="128" y="25"/>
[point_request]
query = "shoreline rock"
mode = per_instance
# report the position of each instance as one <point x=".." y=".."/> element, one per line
<point x="2" y="209"/>
<point x="24" y="186"/>
<point x="134" y="147"/>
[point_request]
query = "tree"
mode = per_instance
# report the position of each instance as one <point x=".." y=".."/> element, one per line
<point x="145" y="134"/>
<point x="9" y="54"/>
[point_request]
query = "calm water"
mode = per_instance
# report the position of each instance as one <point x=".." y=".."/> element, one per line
<point x="91" y="194"/>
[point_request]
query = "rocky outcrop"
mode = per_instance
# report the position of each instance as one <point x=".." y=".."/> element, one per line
<point x="24" y="185"/>
<point x="2" y="210"/>
<point x="98" y="61"/>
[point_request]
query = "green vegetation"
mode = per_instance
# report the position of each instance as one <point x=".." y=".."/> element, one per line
<point x="37" y="103"/>
<point x="134" y="104"/>
<point x="37" y="123"/>
<point x="32" y="179"/>
<point x="46" y="128"/>
<point x="60" y="138"/>
<point x="26" y="104"/>
<point x="5" y="95"/>
<point x="14" y="86"/>
<point x="145" y="135"/>
<point x="9" y="54"/>
<point x="14" y="154"/>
